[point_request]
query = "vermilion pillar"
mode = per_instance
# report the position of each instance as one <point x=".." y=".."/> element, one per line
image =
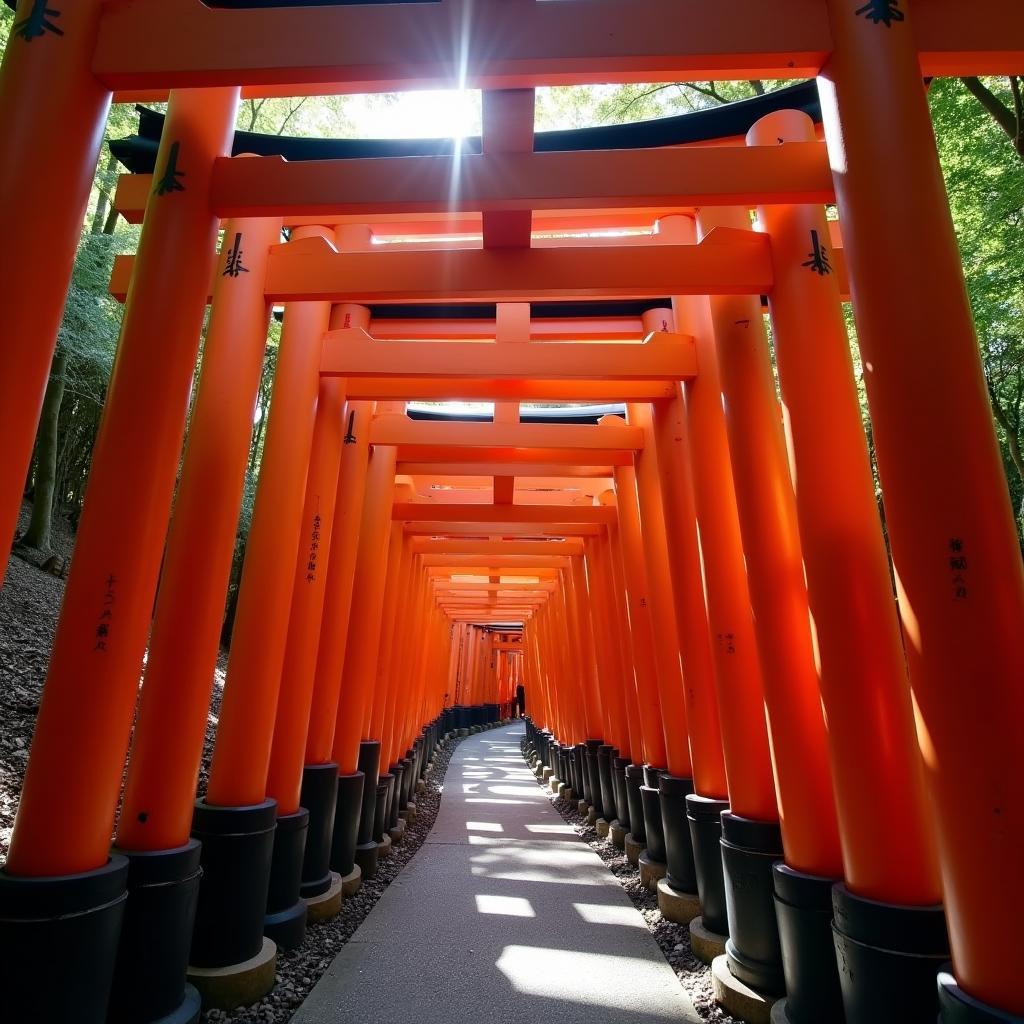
<point x="243" y="837"/>
<point x="241" y="755"/>
<point x="312" y="566"/>
<point x="771" y="546"/>
<point x="771" y="543"/>
<point x="641" y="630"/>
<point x="84" y="719"/>
<point x="613" y="555"/>
<point x="734" y="651"/>
<point x="53" y="111"/>
<point x="954" y="548"/>
<point x="75" y="768"/>
<point x="338" y="597"/>
<point x="170" y="725"/>
<point x="863" y="674"/>
<point x="171" y="722"/>
<point x="606" y="641"/>
<point x="364" y="623"/>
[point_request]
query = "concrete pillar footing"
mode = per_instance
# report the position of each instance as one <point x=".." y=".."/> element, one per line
<point x="327" y="904"/>
<point x="706" y="944"/>
<point x="547" y="773"/>
<point x="555" y="783"/>
<point x="351" y="883"/>
<point x="384" y="847"/>
<point x="651" y="871"/>
<point x="680" y="907"/>
<point x="582" y="807"/>
<point x="617" y="834"/>
<point x="397" y="834"/>
<point x="564" y="792"/>
<point x="227" y="988"/>
<point x="739" y="999"/>
<point x="591" y="815"/>
<point x="633" y="848"/>
<point x="603" y="827"/>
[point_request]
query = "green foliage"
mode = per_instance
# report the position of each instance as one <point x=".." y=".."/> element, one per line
<point x="985" y="178"/>
<point x="6" y="21"/>
<point x="581" y="106"/>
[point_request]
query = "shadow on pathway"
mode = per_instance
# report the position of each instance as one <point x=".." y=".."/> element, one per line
<point x="504" y="916"/>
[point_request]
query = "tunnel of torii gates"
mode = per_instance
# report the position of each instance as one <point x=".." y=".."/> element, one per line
<point x="693" y="590"/>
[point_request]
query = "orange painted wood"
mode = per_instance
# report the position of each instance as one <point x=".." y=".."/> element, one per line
<point x="662" y="357"/>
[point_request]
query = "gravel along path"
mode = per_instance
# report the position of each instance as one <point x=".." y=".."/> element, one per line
<point x="674" y="939"/>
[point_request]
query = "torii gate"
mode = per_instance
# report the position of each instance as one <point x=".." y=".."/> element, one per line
<point x="954" y="548"/>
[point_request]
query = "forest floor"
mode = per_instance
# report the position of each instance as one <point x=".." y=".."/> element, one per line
<point x="29" y="607"/>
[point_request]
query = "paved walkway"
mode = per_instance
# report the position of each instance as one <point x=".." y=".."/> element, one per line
<point x="503" y="916"/>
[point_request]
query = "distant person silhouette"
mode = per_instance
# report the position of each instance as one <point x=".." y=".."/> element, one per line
<point x="521" y="699"/>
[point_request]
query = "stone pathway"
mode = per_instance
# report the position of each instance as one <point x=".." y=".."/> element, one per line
<point x="504" y="915"/>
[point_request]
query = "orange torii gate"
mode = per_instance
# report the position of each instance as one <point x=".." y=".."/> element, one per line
<point x="961" y="590"/>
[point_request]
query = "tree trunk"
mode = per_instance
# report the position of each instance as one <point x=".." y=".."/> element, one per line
<point x="39" y="528"/>
<point x="103" y="203"/>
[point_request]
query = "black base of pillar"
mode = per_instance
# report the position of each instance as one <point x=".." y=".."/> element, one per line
<point x="605" y="753"/>
<point x="578" y="766"/>
<point x="634" y="785"/>
<point x="152" y="958"/>
<point x="803" y="909"/>
<point x="619" y="766"/>
<point x="653" y="828"/>
<point x="319" y="797"/>
<point x="367" y="856"/>
<point x="397" y="773"/>
<point x="60" y="937"/>
<point x="957" y="1007"/>
<point x="238" y="846"/>
<point x="704" y="817"/>
<point x="749" y="849"/>
<point x="369" y="765"/>
<point x="285" y="920"/>
<point x="348" y="804"/>
<point x="380" y="811"/>
<point x="672" y="794"/>
<point x="889" y="958"/>
<point x="412" y="773"/>
<point x="592" y="781"/>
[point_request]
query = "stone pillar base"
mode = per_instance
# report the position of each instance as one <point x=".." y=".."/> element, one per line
<point x="421" y="786"/>
<point x="591" y="815"/>
<point x="680" y="907"/>
<point x="546" y="773"/>
<point x="564" y="791"/>
<point x="555" y="783"/>
<point x="706" y="945"/>
<point x="651" y="871"/>
<point x="739" y="999"/>
<point x="397" y="834"/>
<point x="582" y="807"/>
<point x="603" y="828"/>
<point x="633" y="849"/>
<point x="227" y="988"/>
<point x="327" y="904"/>
<point x="617" y="834"/>
<point x="384" y="847"/>
<point x="352" y="882"/>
